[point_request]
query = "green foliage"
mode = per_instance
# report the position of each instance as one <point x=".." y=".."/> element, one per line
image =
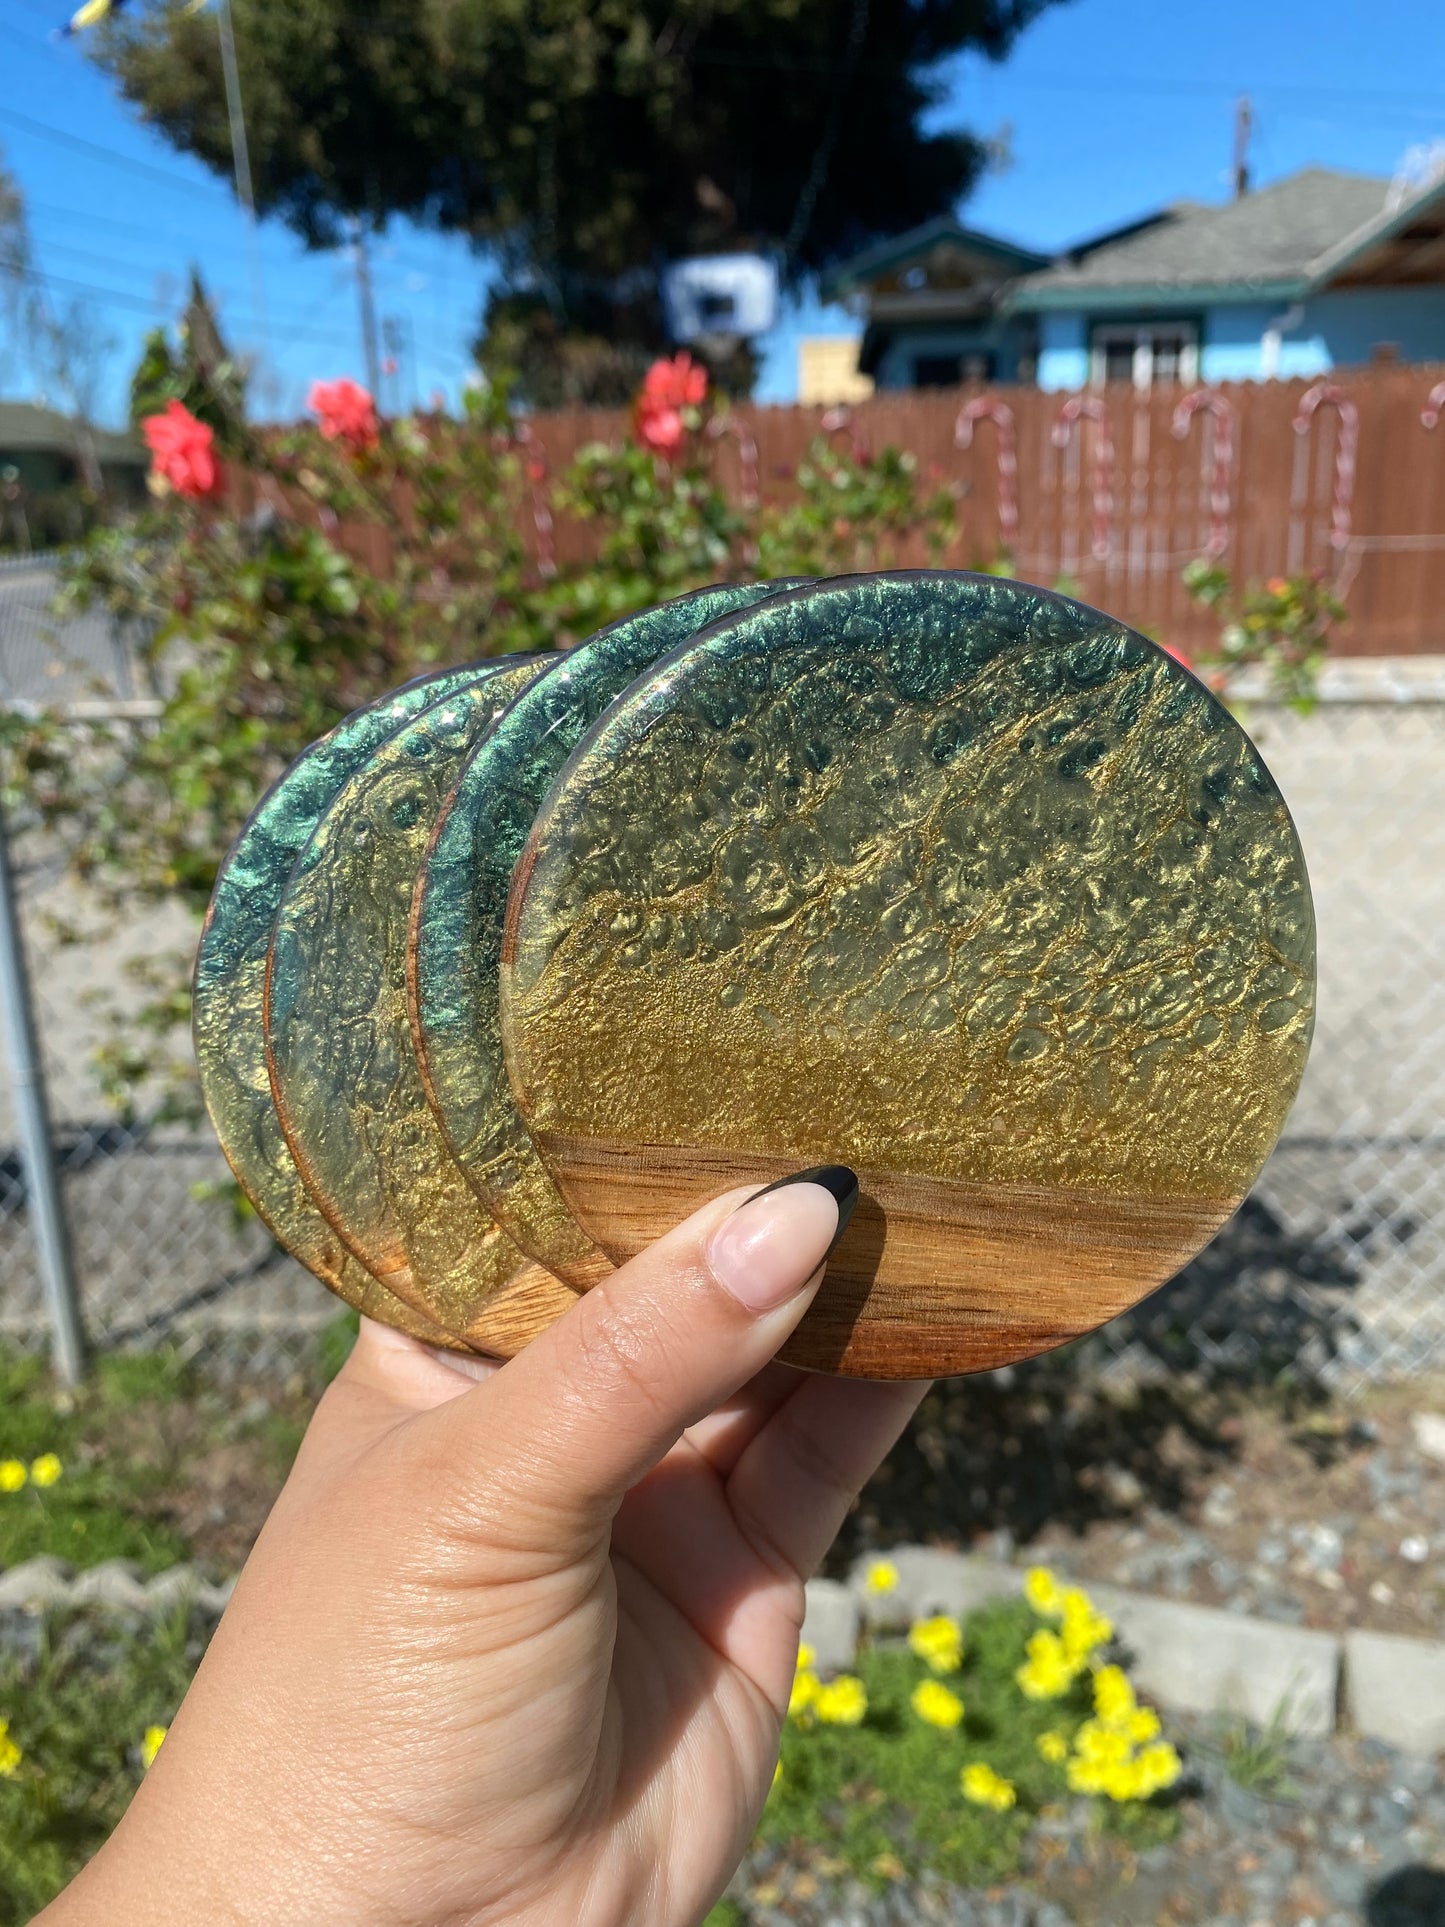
<point x="79" y="1712"/>
<point x="854" y="513"/>
<point x="884" y="1796"/>
<point x="1258" y="1759"/>
<point x="1282" y="628"/>
<point x="201" y="372"/>
<point x="107" y="1503"/>
<point x="583" y="143"/>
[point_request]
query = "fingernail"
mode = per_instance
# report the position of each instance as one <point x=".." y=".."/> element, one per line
<point x="772" y="1244"/>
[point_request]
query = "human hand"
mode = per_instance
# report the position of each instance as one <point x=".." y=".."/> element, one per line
<point x="520" y="1649"/>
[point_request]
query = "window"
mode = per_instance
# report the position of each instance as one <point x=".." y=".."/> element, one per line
<point x="1144" y="352"/>
<point x="947" y="371"/>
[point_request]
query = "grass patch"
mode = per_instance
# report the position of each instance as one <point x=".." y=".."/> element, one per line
<point x="158" y="1461"/>
<point x="884" y="1797"/>
<point x="103" y="1503"/>
<point x="78" y="1711"/>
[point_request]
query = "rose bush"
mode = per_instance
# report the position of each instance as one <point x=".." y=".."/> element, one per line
<point x="284" y="577"/>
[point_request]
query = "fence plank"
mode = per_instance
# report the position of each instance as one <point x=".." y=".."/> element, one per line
<point x="1282" y="491"/>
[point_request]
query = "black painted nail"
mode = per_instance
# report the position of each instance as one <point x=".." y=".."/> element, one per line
<point x="837" y="1179"/>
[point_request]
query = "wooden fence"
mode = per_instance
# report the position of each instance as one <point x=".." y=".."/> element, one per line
<point x="1117" y="490"/>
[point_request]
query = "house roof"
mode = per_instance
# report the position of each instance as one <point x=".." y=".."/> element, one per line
<point x="25" y="425"/>
<point x="1282" y="241"/>
<point x="885" y="258"/>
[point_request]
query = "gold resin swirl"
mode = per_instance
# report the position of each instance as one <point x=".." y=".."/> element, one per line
<point x="945" y="878"/>
<point x="346" y="1084"/>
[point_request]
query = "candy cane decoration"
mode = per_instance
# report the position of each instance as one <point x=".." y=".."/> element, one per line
<point x="1345" y="451"/>
<point x="1222" y="412"/>
<point x="986" y="408"/>
<point x="536" y="465"/>
<point x="747" y="453"/>
<point x="841" y="419"/>
<point x="1091" y="406"/>
<point x="1430" y="413"/>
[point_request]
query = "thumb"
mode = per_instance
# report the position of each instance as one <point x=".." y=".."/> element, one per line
<point x="566" y="1427"/>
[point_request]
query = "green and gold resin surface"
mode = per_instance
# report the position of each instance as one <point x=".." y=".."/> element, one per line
<point x="229" y="1033"/>
<point x="343" y="1074"/>
<point x="461" y="908"/>
<point x="950" y="879"/>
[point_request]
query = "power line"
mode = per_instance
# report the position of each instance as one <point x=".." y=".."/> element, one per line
<point x="112" y="156"/>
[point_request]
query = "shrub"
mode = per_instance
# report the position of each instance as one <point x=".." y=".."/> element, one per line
<point x="941" y="1752"/>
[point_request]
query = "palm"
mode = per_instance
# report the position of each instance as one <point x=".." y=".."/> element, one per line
<point x="708" y="1557"/>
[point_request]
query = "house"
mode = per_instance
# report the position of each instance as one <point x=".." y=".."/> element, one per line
<point x="933" y="300"/>
<point x="40" y="444"/>
<point x="42" y="472"/>
<point x="828" y="371"/>
<point x="1319" y="270"/>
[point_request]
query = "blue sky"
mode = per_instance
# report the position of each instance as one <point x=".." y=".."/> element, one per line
<point x="1111" y="108"/>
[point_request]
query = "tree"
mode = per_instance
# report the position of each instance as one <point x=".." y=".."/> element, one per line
<point x="583" y="142"/>
<point x="63" y="344"/>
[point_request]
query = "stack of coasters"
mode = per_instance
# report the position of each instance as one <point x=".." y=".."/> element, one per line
<point x="940" y="876"/>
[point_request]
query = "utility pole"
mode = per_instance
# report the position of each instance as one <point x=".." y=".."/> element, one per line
<point x="1243" y="127"/>
<point x="241" y="163"/>
<point x="361" y="259"/>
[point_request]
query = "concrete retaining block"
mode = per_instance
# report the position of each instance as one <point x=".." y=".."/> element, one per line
<point x="930" y="1581"/>
<point x="830" y="1624"/>
<point x="37" y="1584"/>
<point x="1395" y="1690"/>
<point x="1197" y="1660"/>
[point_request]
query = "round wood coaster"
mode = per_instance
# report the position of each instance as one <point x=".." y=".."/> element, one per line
<point x="461" y="907"/>
<point x="945" y="878"/>
<point x="229" y="984"/>
<point x="338" y="1045"/>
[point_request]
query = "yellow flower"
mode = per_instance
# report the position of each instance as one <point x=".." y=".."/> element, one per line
<point x="1114" y="1700"/>
<point x="151" y="1745"/>
<point x="46" y="1469"/>
<point x="933" y="1702"/>
<point x="12" y="1475"/>
<point x="985" y="1788"/>
<point x="881" y="1576"/>
<point x="1049" y="1671"/>
<point x="1043" y="1592"/>
<point x="842" y="1702"/>
<point x="804" y="1697"/>
<point x="1143" y="1725"/>
<point x="939" y="1642"/>
<point x="10" y="1754"/>
<point x="1159" y="1767"/>
<point x="1053" y="1747"/>
<point x="1084" y="1626"/>
<point x="807" y="1658"/>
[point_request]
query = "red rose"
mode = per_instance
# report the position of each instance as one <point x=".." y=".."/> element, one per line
<point x="183" y="451"/>
<point x="679" y="383"/>
<point x="1179" y="655"/>
<point x="668" y="388"/>
<point x="346" y="413"/>
<point x="661" y="428"/>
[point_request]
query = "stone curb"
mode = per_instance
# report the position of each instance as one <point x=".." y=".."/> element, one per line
<point x="1190" y="1659"/>
<point x="116" y="1585"/>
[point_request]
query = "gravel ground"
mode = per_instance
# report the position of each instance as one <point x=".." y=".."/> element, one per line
<point x="1336" y="1520"/>
<point x="1328" y="1514"/>
<point x="1350" y="1833"/>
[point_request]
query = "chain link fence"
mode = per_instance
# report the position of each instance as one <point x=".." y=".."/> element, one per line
<point x="1335" y="1266"/>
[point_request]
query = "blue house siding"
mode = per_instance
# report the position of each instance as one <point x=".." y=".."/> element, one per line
<point x="1335" y="330"/>
<point x="1063" y="351"/>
